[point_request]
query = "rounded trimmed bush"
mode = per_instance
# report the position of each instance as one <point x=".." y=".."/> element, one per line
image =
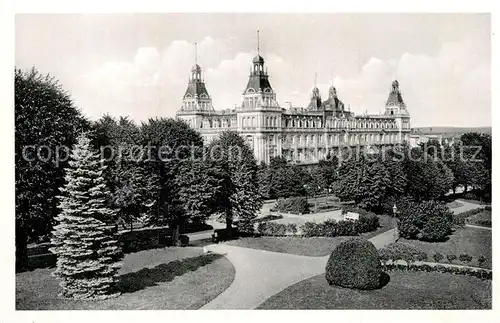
<point x="354" y="263"/>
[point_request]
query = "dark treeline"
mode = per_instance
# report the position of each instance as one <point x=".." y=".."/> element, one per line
<point x="173" y="187"/>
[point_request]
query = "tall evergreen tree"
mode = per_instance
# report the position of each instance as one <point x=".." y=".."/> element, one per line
<point x="87" y="249"/>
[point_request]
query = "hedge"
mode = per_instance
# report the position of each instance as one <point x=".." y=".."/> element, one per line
<point x="295" y="205"/>
<point x="402" y="251"/>
<point x="479" y="273"/>
<point x="460" y="218"/>
<point x="367" y="222"/>
<point x="276" y="229"/>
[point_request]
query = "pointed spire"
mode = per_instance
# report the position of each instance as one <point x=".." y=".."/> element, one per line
<point x="258" y="43"/>
<point x="195" y="53"/>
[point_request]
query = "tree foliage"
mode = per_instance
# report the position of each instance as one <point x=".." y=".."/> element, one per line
<point x="426" y="220"/>
<point x="234" y="162"/>
<point x="88" y="252"/>
<point x="170" y="144"/>
<point x="46" y="124"/>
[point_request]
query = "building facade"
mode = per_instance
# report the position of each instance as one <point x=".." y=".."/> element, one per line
<point x="301" y="135"/>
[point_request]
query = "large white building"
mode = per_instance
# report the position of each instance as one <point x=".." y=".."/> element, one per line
<point x="302" y="135"/>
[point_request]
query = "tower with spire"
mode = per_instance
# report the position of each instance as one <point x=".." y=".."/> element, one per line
<point x="315" y="102"/>
<point x="258" y="92"/>
<point x="395" y="104"/>
<point x="196" y="97"/>
<point x="396" y="107"/>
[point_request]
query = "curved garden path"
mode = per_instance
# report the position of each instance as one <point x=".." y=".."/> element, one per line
<point x="466" y="206"/>
<point x="261" y="274"/>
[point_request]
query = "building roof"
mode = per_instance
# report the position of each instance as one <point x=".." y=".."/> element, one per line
<point x="196" y="88"/>
<point x="258" y="59"/>
<point x="258" y="82"/>
<point x="395" y="97"/>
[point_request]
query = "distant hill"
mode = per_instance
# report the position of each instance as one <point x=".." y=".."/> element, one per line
<point x="449" y="130"/>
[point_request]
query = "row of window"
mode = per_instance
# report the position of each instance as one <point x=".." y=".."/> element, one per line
<point x="216" y="123"/>
<point x="251" y="122"/>
<point x="336" y="139"/>
<point x="194" y="105"/>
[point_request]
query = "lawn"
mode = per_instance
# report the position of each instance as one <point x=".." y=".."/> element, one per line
<point x="405" y="290"/>
<point x="316" y="246"/>
<point x="158" y="279"/>
<point x="475" y="242"/>
<point x="482" y="218"/>
<point x="386" y="223"/>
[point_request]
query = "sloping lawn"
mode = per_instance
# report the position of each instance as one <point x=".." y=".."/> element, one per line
<point x="405" y="290"/>
<point x="482" y="218"/>
<point x="159" y="279"/>
<point x="475" y="242"/>
<point x="298" y="246"/>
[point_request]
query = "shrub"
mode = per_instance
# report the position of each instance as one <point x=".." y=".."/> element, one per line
<point x="291" y="228"/>
<point x="404" y="251"/>
<point x="451" y="257"/>
<point x="294" y="205"/>
<point x="459" y="219"/>
<point x="481" y="260"/>
<point x="479" y="273"/>
<point x="354" y="263"/>
<point x="426" y="220"/>
<point x="312" y="229"/>
<point x="437" y="228"/>
<point x="438" y="257"/>
<point x="272" y="229"/>
<point x="368" y="222"/>
<point x="184" y="240"/>
<point x="346" y="228"/>
<point x="329" y="228"/>
<point x="465" y="258"/>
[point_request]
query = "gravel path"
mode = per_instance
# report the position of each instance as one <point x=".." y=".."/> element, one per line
<point x="261" y="274"/>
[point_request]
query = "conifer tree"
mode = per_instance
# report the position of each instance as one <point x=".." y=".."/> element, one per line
<point x="87" y="250"/>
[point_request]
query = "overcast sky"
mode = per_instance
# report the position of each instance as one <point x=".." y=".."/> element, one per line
<point x="138" y="65"/>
